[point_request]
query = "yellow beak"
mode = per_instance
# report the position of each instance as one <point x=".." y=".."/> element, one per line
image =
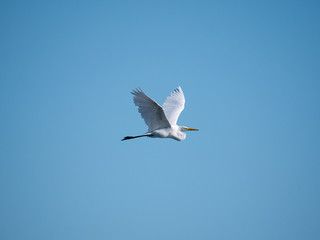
<point x="191" y="129"/>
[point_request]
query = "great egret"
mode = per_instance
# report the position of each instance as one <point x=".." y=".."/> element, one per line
<point x="161" y="120"/>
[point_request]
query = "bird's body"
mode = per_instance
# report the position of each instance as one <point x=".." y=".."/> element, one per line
<point x="170" y="132"/>
<point x="161" y="120"/>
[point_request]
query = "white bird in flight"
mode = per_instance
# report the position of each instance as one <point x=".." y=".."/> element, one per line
<point x="162" y="121"/>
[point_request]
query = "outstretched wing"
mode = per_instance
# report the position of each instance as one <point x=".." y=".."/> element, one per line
<point x="151" y="112"/>
<point x="173" y="105"/>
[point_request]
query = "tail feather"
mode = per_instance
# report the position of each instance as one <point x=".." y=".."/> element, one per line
<point x="131" y="137"/>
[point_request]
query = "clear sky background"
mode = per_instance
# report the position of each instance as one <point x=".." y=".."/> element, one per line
<point x="250" y="72"/>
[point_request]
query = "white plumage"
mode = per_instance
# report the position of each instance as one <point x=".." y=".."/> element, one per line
<point x="173" y="105"/>
<point x="161" y="120"/>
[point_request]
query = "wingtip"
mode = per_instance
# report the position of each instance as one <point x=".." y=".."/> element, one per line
<point x="177" y="90"/>
<point x="136" y="91"/>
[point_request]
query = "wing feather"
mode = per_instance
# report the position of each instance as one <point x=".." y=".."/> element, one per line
<point x="150" y="111"/>
<point x="173" y="105"/>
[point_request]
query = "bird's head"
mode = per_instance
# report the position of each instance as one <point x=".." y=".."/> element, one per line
<point x="188" y="129"/>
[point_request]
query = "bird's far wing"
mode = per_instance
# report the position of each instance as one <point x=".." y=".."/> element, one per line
<point x="173" y="105"/>
<point x="151" y="112"/>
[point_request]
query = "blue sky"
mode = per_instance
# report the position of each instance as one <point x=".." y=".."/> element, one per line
<point x="250" y="72"/>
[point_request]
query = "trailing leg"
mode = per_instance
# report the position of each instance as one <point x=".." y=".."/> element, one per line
<point x="131" y="137"/>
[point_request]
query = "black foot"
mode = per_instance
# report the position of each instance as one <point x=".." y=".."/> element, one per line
<point x="127" y="138"/>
